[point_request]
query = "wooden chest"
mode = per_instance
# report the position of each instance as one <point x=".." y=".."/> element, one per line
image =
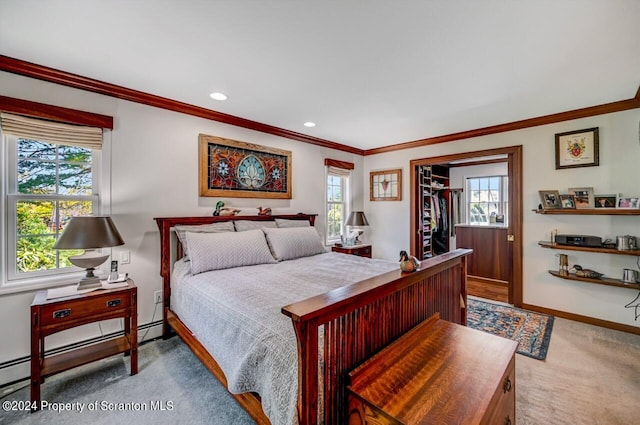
<point x="438" y="373"/>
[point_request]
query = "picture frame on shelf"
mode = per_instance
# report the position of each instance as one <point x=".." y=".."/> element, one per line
<point x="550" y="199"/>
<point x="567" y="201"/>
<point x="577" y="148"/>
<point x="583" y="197"/>
<point x="628" y="202"/>
<point x="605" y="201"/>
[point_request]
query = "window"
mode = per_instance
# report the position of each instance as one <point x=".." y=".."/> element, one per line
<point x="48" y="181"/>
<point x="338" y="198"/>
<point x="486" y="197"/>
<point x="48" y="184"/>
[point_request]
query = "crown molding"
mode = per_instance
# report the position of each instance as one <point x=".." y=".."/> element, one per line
<point x="40" y="72"/>
<point x="28" y="69"/>
<point x="606" y="108"/>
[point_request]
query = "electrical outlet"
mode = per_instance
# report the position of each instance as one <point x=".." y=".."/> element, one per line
<point x="157" y="296"/>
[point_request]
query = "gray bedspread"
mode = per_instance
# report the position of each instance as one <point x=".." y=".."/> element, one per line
<point x="236" y="315"/>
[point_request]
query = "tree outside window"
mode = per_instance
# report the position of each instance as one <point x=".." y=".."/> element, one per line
<point x="486" y="197"/>
<point x="50" y="184"/>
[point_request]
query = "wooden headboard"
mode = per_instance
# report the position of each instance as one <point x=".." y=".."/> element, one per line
<point x="166" y="224"/>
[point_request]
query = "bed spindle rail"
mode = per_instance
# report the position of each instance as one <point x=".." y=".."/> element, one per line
<point x="359" y="320"/>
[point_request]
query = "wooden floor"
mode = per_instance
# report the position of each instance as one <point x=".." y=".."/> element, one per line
<point x="491" y="290"/>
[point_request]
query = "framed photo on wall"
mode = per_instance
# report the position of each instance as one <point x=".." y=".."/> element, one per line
<point x="583" y="197"/>
<point x="577" y="149"/>
<point x="385" y="185"/>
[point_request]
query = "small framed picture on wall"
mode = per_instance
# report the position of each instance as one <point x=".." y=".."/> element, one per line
<point x="577" y="149"/>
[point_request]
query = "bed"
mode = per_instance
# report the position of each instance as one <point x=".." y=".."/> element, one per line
<point x="333" y="329"/>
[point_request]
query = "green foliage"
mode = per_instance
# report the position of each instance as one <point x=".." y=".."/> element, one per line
<point x="48" y="169"/>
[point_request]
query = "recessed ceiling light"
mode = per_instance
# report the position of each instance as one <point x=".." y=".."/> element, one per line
<point x="218" y="96"/>
<point x="309" y="124"/>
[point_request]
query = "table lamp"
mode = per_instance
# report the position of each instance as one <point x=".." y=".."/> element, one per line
<point x="357" y="219"/>
<point x="89" y="233"/>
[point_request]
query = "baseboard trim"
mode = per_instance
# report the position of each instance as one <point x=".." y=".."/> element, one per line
<point x="73" y="346"/>
<point x="584" y="319"/>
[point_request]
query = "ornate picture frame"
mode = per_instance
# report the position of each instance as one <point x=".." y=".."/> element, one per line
<point x="229" y="168"/>
<point x="577" y="149"/>
<point x="385" y="185"/>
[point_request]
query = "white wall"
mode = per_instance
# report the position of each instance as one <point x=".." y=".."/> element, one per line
<point x="617" y="172"/>
<point x="155" y="174"/>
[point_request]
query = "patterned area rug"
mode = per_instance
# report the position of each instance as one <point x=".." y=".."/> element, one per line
<point x="532" y="331"/>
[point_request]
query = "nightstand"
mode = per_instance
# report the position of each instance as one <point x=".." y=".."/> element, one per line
<point x="58" y="314"/>
<point x="359" y="250"/>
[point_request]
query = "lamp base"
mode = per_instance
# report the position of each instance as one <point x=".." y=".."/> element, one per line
<point x="89" y="260"/>
<point x="89" y="283"/>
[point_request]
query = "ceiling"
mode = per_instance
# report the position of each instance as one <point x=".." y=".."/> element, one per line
<point x="369" y="73"/>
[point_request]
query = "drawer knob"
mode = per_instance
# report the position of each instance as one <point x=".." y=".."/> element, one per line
<point x="113" y="303"/>
<point x="61" y="314"/>
<point x="507" y="385"/>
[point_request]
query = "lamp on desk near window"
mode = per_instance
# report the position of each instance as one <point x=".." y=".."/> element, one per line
<point x="89" y="233"/>
<point x="356" y="220"/>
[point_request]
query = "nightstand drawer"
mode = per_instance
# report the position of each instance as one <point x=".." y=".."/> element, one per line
<point x="81" y="309"/>
<point x="364" y="252"/>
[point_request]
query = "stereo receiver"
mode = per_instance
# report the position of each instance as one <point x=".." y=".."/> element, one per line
<point x="581" y="240"/>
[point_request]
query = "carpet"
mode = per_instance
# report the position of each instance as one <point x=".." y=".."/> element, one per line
<point x="532" y="331"/>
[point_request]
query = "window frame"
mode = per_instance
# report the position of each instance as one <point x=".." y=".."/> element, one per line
<point x="503" y="202"/>
<point x="346" y="202"/>
<point x="10" y="280"/>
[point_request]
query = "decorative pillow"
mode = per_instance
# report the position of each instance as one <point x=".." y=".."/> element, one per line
<point x="244" y="225"/>
<point x="283" y="222"/>
<point x="181" y="230"/>
<point x="215" y="251"/>
<point x="294" y="242"/>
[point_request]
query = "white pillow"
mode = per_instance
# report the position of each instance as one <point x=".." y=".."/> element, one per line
<point x="215" y="251"/>
<point x="244" y="225"/>
<point x="181" y="230"/>
<point x="283" y="222"/>
<point x="294" y="242"/>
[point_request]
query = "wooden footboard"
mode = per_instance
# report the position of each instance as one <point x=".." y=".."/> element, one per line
<point x="361" y="319"/>
<point x="356" y="321"/>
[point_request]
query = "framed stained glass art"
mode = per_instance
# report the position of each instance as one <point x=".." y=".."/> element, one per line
<point x="385" y="185"/>
<point x="230" y="168"/>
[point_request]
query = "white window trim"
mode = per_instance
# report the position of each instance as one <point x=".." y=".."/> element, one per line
<point x="348" y="205"/>
<point x="504" y="187"/>
<point x="101" y="170"/>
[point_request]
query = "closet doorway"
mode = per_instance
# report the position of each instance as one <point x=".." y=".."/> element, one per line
<point x="508" y="240"/>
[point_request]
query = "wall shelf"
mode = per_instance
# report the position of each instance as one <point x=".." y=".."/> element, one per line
<point x="602" y="281"/>
<point x="590" y="211"/>
<point x="602" y="250"/>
